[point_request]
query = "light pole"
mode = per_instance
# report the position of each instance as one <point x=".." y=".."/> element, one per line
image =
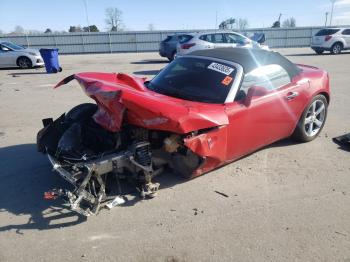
<point x="87" y="15"/>
<point x="325" y="23"/>
<point x="330" y="20"/>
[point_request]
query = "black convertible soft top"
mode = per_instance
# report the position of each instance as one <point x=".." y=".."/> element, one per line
<point x="250" y="58"/>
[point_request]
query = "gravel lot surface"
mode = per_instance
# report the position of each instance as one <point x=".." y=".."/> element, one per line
<point x="287" y="202"/>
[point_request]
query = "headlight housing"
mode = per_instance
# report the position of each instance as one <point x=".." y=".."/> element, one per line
<point x="34" y="54"/>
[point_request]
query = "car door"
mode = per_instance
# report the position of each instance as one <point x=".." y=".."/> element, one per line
<point x="7" y="56"/>
<point x="219" y="41"/>
<point x="267" y="109"/>
<point x="231" y="40"/>
<point x="346" y="35"/>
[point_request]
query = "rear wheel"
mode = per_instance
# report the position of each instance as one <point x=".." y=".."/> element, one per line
<point x="312" y="120"/>
<point x="24" y="62"/>
<point x="336" y="48"/>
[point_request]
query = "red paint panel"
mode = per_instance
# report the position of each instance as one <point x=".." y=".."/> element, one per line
<point x="115" y="93"/>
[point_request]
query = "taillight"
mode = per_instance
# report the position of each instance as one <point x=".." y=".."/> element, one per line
<point x="327" y="37"/>
<point x="187" y="46"/>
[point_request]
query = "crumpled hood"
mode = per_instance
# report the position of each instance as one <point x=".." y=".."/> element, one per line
<point x="121" y="97"/>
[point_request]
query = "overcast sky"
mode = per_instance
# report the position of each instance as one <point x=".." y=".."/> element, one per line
<point x="163" y="14"/>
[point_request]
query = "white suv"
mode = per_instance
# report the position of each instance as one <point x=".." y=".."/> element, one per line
<point x="216" y="39"/>
<point x="331" y="39"/>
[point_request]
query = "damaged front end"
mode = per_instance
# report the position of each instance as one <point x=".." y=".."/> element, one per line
<point x="95" y="146"/>
<point x="94" y="160"/>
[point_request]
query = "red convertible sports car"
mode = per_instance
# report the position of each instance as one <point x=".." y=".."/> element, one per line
<point x="200" y="112"/>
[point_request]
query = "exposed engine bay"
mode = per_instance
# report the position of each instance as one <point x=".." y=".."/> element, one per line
<point x="94" y="159"/>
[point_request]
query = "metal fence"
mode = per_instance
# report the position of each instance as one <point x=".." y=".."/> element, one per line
<point x="144" y="41"/>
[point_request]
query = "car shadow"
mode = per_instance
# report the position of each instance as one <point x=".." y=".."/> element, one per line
<point x="146" y="72"/>
<point x="21" y="69"/>
<point x="25" y="176"/>
<point x="27" y="73"/>
<point x="150" y="61"/>
<point x="314" y="54"/>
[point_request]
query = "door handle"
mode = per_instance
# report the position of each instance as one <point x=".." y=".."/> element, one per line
<point x="292" y="95"/>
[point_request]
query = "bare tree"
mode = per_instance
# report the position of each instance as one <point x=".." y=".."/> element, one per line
<point x="277" y="24"/>
<point x="33" y="32"/>
<point x="74" y="29"/>
<point x="19" y="30"/>
<point x="114" y="19"/>
<point x="242" y="24"/>
<point x="151" y="27"/>
<point x="227" y="24"/>
<point x="290" y="22"/>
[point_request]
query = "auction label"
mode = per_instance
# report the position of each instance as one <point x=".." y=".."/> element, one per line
<point x="221" y="68"/>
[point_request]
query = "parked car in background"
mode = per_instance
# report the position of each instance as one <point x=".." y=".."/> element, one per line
<point x="12" y="55"/>
<point x="331" y="39"/>
<point x="217" y="39"/>
<point x="167" y="48"/>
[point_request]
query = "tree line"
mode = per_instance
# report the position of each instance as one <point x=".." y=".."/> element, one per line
<point x="114" y="23"/>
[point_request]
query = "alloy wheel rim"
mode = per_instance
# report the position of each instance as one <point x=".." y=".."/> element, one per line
<point x="23" y="63"/>
<point x="315" y="117"/>
<point x="336" y="49"/>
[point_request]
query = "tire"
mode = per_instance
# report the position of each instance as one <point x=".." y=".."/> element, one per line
<point x="319" y="52"/>
<point x="24" y="62"/>
<point x="80" y="113"/>
<point x="336" y="48"/>
<point x="172" y="57"/>
<point x="312" y="120"/>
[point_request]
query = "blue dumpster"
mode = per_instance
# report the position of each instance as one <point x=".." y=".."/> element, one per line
<point x="50" y="57"/>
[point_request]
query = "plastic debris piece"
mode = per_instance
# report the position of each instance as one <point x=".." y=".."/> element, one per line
<point x="118" y="200"/>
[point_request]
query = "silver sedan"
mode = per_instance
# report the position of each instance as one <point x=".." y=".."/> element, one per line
<point x="12" y="55"/>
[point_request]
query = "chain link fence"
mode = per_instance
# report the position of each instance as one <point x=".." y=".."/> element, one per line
<point x="145" y="41"/>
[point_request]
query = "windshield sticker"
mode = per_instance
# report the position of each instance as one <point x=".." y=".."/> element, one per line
<point x="226" y="70"/>
<point x="227" y="80"/>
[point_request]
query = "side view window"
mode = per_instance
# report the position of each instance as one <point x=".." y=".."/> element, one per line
<point x="346" y="32"/>
<point x="218" y="38"/>
<point x="232" y="38"/>
<point x="213" y="38"/>
<point x="270" y="77"/>
<point x="205" y="38"/>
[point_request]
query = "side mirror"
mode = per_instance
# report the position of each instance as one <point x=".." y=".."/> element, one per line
<point x="254" y="91"/>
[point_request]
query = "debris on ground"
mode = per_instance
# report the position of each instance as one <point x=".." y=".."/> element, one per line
<point x="118" y="200"/>
<point x="196" y="211"/>
<point x="343" y="141"/>
<point x="339" y="233"/>
<point x="220" y="193"/>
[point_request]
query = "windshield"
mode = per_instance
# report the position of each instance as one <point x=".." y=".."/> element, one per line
<point x="12" y="46"/>
<point x="195" y="79"/>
